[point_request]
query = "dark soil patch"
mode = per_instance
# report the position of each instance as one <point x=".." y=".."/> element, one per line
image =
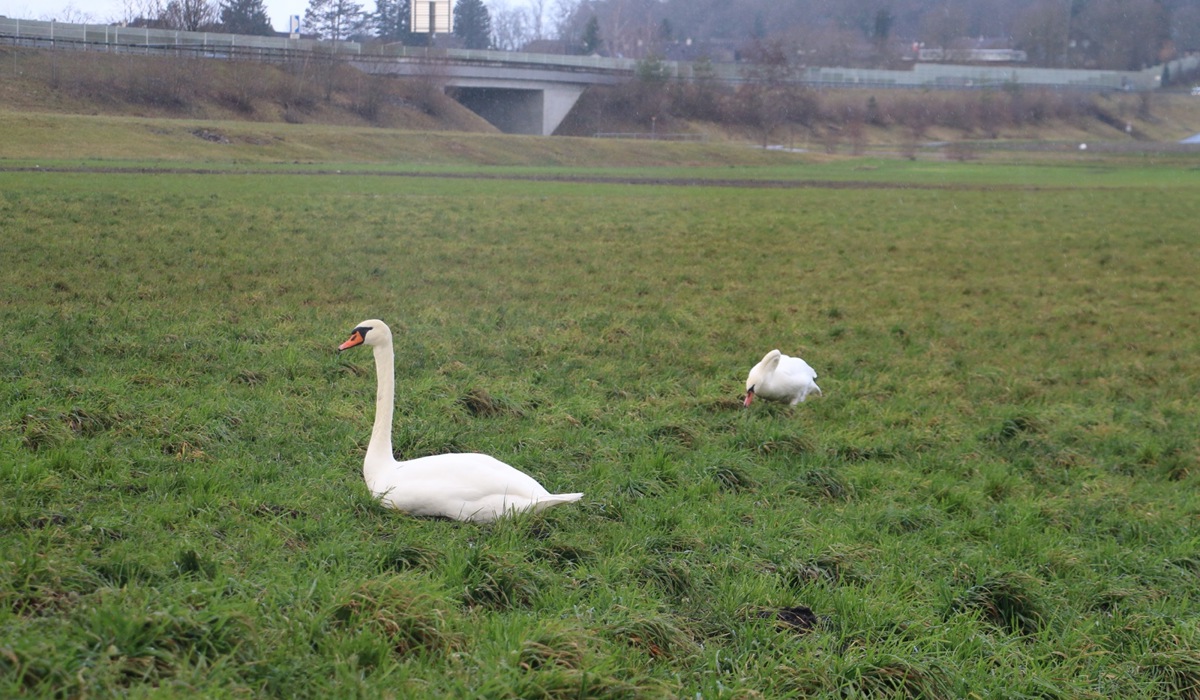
<point x="799" y="619"/>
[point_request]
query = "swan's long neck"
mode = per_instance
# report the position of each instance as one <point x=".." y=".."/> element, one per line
<point x="379" y="450"/>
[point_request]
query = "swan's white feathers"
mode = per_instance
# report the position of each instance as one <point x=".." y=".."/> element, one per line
<point x="483" y="487"/>
<point x="467" y="486"/>
<point x="778" y="377"/>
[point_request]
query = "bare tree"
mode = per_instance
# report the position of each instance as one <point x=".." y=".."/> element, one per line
<point x="1041" y="31"/>
<point x="563" y="16"/>
<point x="1123" y="34"/>
<point x="131" y="11"/>
<point x="190" y="15"/>
<point x="769" y="98"/>
<point x="628" y="26"/>
<point x="827" y="46"/>
<point x="510" y="29"/>
<point x="944" y="25"/>
<point x="537" y="15"/>
<point x="1185" y="26"/>
<point x="70" y="13"/>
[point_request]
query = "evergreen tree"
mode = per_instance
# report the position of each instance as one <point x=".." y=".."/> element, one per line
<point x="333" y="19"/>
<point x="246" y="17"/>
<point x="473" y="24"/>
<point x="591" y="36"/>
<point x="393" y="21"/>
<point x="884" y="19"/>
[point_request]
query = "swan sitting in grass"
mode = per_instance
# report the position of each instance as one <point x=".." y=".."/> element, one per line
<point x="781" y="378"/>
<point x="472" y="487"/>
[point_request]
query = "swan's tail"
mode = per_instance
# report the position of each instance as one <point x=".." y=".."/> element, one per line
<point x="555" y="499"/>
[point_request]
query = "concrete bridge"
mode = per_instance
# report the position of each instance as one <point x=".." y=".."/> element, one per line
<point x="516" y="98"/>
<point x="518" y="93"/>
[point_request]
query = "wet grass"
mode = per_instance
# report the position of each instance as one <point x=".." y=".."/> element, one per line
<point x="994" y="498"/>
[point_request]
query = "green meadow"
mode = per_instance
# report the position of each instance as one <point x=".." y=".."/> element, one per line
<point x="996" y="497"/>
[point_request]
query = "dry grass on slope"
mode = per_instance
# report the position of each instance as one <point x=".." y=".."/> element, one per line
<point x="300" y="92"/>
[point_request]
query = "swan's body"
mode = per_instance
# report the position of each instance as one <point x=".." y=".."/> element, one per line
<point x="459" y="486"/>
<point x="781" y="378"/>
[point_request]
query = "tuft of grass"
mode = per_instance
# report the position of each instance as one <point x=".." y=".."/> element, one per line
<point x="672" y="575"/>
<point x="478" y="402"/>
<point x="1174" y="673"/>
<point x="836" y="565"/>
<point x="822" y="484"/>
<point x="408" y="618"/>
<point x="189" y="563"/>
<point x="880" y="674"/>
<point x="551" y="650"/>
<point x="1008" y="600"/>
<point x="655" y="636"/>
<point x="498" y="582"/>
<point x="892" y="676"/>
<point x="403" y="557"/>
<point x="733" y="478"/>
<point x="908" y="520"/>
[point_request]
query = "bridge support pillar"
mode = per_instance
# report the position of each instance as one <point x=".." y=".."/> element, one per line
<point x="520" y="111"/>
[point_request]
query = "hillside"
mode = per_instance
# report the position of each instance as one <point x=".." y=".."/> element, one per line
<point x="312" y="93"/>
<point x="93" y="83"/>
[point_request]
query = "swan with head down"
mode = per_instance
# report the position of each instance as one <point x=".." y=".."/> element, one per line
<point x="778" y="377"/>
<point x="470" y="486"/>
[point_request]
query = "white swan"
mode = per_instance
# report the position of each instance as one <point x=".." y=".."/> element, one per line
<point x="460" y="486"/>
<point x="781" y="378"/>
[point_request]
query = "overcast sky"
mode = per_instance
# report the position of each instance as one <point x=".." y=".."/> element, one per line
<point x="102" y="11"/>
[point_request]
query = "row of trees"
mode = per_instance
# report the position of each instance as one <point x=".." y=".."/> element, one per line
<point x="1113" y="34"/>
<point x="335" y="20"/>
<point x="231" y="16"/>
<point x="339" y="20"/>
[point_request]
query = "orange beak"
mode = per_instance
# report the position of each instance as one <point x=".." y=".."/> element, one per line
<point x="749" y="397"/>
<point x="356" y="338"/>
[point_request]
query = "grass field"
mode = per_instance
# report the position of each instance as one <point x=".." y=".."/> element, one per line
<point x="995" y="498"/>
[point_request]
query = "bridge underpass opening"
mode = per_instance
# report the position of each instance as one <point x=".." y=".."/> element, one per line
<point x="510" y="110"/>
